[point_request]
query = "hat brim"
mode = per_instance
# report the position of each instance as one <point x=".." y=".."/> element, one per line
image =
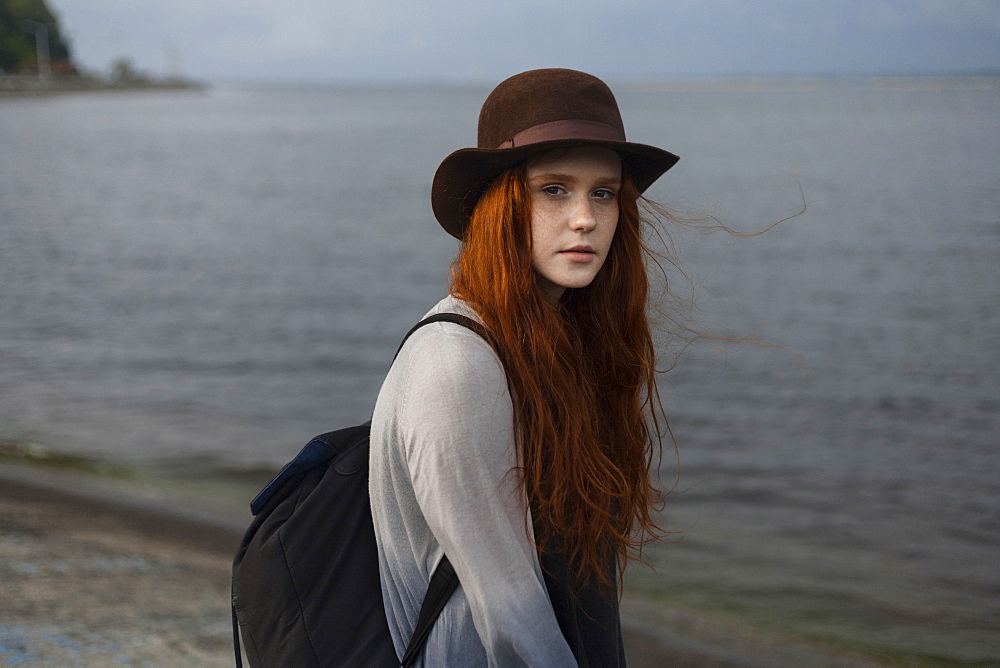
<point x="464" y="176"/>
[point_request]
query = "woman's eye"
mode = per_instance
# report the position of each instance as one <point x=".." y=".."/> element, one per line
<point x="604" y="193"/>
<point x="552" y="190"/>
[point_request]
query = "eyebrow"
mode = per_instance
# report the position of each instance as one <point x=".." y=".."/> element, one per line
<point x="554" y="176"/>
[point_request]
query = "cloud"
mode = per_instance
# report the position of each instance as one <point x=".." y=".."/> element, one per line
<point x="452" y="39"/>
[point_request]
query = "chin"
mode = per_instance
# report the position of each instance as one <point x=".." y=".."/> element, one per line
<point x="576" y="285"/>
<point x="577" y="282"/>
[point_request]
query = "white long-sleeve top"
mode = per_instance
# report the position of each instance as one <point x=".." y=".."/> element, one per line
<point x="443" y="482"/>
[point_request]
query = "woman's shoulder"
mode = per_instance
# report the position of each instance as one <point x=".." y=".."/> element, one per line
<point x="447" y="375"/>
<point x="447" y="351"/>
<point x="452" y="304"/>
<point x="450" y="336"/>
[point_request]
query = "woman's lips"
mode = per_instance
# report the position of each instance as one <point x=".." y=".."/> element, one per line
<point x="582" y="254"/>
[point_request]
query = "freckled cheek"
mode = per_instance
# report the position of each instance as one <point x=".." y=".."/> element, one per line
<point x="542" y="228"/>
<point x="610" y="229"/>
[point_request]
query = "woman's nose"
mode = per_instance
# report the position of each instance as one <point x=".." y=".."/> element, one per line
<point x="583" y="216"/>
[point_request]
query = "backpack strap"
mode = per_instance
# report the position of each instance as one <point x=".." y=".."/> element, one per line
<point x="443" y="584"/>
<point x="236" y="637"/>
<point x="462" y="320"/>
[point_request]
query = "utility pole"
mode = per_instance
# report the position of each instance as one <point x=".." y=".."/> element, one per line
<point x="41" y="46"/>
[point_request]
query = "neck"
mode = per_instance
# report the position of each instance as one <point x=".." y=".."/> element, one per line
<point x="552" y="292"/>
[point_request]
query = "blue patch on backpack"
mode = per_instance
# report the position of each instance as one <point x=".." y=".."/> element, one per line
<point x="312" y="455"/>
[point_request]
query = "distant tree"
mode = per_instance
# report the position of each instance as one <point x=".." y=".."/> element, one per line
<point x="17" y="34"/>
<point x="122" y="69"/>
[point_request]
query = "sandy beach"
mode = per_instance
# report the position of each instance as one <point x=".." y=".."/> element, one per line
<point x="95" y="572"/>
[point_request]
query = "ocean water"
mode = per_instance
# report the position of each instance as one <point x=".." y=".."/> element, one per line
<point x="196" y="282"/>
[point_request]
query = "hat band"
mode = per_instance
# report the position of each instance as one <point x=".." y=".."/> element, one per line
<point x="568" y="129"/>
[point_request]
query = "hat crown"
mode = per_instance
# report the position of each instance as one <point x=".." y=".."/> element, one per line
<point x="543" y="96"/>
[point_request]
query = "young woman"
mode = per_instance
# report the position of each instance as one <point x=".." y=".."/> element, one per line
<point x="526" y="460"/>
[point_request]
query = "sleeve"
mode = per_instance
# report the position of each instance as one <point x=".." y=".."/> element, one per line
<point x="456" y="422"/>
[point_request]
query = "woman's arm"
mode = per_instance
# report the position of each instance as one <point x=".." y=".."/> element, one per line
<point x="456" y="424"/>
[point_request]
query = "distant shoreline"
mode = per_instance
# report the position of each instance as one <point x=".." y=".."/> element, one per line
<point x="21" y="85"/>
<point x="15" y="85"/>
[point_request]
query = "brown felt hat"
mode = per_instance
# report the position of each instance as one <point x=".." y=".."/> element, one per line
<point x="531" y="112"/>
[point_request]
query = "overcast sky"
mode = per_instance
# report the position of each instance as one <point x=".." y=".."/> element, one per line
<point x="427" y="40"/>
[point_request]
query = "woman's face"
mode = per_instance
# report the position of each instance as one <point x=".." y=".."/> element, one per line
<point x="574" y="214"/>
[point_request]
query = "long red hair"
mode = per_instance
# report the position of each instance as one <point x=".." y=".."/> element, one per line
<point x="587" y="412"/>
